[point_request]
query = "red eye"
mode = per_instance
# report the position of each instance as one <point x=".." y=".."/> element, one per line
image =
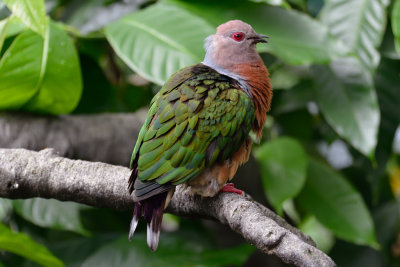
<point x="237" y="36"/>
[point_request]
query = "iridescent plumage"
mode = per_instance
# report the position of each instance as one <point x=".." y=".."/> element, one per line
<point x="196" y="131"/>
<point x="192" y="123"/>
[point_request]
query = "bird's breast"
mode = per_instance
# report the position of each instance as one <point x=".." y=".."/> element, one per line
<point x="210" y="182"/>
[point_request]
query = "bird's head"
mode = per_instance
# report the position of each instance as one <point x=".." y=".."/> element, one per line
<point x="234" y="43"/>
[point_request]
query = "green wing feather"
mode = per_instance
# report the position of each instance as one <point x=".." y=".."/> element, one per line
<point x="198" y="117"/>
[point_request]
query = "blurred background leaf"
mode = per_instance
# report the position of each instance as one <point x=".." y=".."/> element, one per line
<point x="348" y="101"/>
<point x="19" y="74"/>
<point x="52" y="213"/>
<point x="283" y="164"/>
<point x="60" y="84"/>
<point x="337" y="205"/>
<point x="41" y="75"/>
<point x="387" y="79"/>
<point x="319" y="233"/>
<point x="23" y="245"/>
<point x="359" y="24"/>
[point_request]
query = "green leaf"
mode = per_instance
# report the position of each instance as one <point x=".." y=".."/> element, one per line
<point x="322" y="236"/>
<point x="387" y="218"/>
<point x="31" y="12"/>
<point x="387" y="80"/>
<point x="345" y="90"/>
<point x="24" y="246"/>
<point x="52" y="213"/>
<point x="396" y="24"/>
<point x="173" y="250"/>
<point x="347" y="99"/>
<point x="295" y="37"/>
<point x="9" y="27"/>
<point x="337" y="205"/>
<point x="159" y="40"/>
<point x="360" y="24"/>
<point x="283" y="165"/>
<point x="20" y="70"/>
<point x="61" y="86"/>
<point x="44" y="72"/>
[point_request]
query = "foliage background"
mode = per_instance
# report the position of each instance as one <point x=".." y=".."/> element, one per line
<point x="329" y="160"/>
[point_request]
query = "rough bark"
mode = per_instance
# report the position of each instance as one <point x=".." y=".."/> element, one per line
<point x="26" y="174"/>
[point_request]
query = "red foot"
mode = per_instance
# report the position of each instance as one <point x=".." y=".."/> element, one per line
<point x="230" y="187"/>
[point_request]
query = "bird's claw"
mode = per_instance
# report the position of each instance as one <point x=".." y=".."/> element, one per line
<point x="230" y="187"/>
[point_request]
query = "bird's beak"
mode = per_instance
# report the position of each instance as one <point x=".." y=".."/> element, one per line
<point x="260" y="38"/>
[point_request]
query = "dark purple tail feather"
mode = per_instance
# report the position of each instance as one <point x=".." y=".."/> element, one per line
<point x="152" y="210"/>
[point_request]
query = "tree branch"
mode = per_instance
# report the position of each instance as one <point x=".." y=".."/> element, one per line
<point x="26" y="174"/>
<point x="100" y="137"/>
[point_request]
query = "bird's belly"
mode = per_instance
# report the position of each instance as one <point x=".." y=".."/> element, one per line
<point x="210" y="182"/>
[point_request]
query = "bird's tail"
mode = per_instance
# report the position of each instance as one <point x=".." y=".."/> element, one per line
<point x="152" y="210"/>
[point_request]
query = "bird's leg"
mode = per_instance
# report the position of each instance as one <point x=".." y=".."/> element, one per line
<point x="230" y="187"/>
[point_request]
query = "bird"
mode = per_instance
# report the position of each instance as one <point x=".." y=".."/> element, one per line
<point x="197" y="128"/>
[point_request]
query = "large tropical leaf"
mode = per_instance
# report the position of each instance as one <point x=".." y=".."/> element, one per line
<point x="359" y="24"/>
<point x="347" y="99"/>
<point x="159" y="40"/>
<point x="295" y="37"/>
<point x="24" y="246"/>
<point x="20" y="70"/>
<point x="41" y="75"/>
<point x="51" y="213"/>
<point x="31" y="12"/>
<point x="337" y="205"/>
<point x="283" y="165"/>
